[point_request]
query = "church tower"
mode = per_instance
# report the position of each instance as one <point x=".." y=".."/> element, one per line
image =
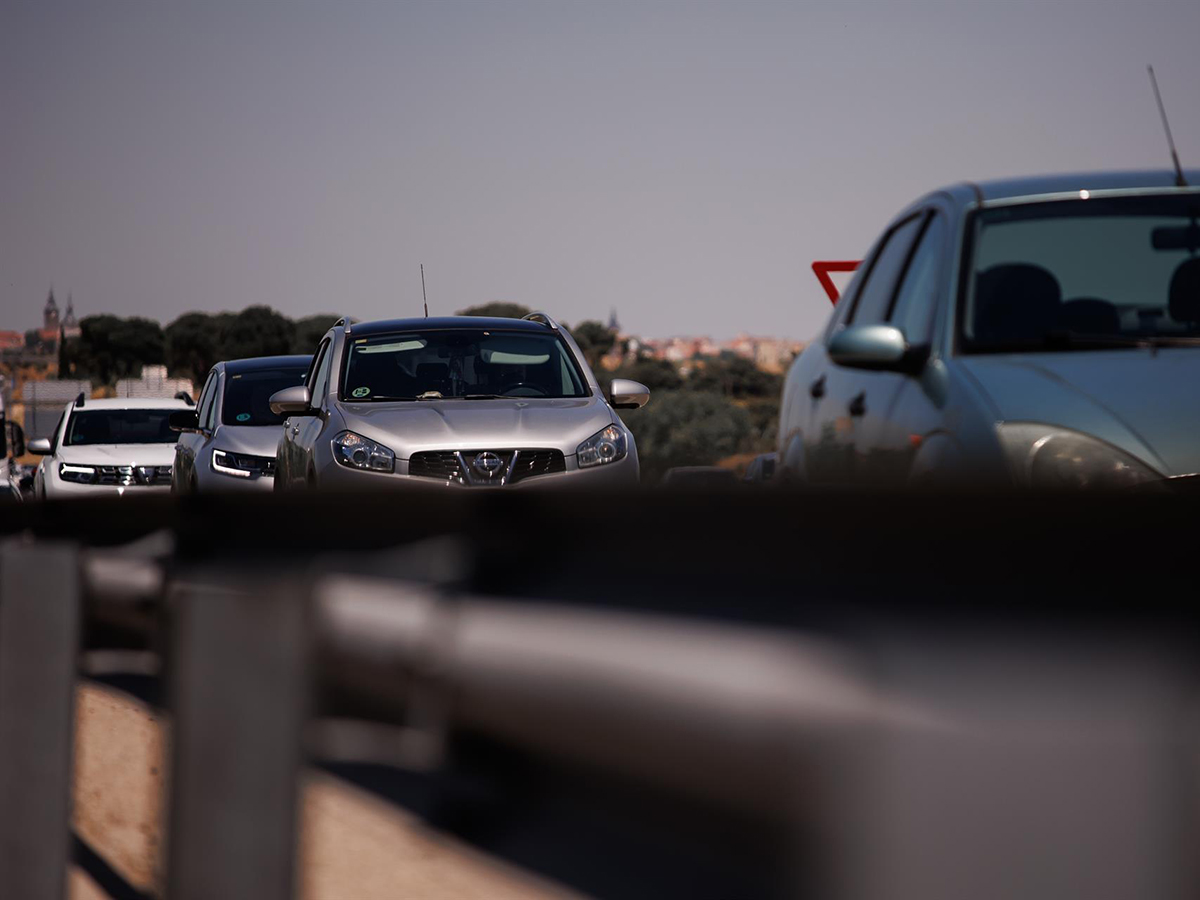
<point x="50" y="314"/>
<point x="70" y="327"/>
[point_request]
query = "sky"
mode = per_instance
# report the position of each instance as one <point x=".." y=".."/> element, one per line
<point x="681" y="161"/>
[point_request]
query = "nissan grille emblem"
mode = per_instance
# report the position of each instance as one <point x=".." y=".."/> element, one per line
<point x="487" y="463"/>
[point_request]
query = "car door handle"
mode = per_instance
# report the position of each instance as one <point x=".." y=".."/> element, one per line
<point x="816" y="390"/>
<point x="858" y="405"/>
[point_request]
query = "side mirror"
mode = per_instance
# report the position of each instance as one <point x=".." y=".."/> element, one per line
<point x="291" y="401"/>
<point x="40" y="446"/>
<point x="626" y="394"/>
<point x="878" y="347"/>
<point x="184" y="420"/>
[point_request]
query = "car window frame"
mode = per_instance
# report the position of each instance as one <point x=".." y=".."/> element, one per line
<point x="206" y="397"/>
<point x="59" y="429"/>
<point x="324" y="358"/>
<point x="881" y="249"/>
<point x="932" y="215"/>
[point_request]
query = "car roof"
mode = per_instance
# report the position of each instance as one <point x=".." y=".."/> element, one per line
<point x="385" y="326"/>
<point x="134" y="403"/>
<point x="253" y="364"/>
<point x="1068" y="182"/>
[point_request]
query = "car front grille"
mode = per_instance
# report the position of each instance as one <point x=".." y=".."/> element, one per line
<point x="463" y="466"/>
<point x="128" y="476"/>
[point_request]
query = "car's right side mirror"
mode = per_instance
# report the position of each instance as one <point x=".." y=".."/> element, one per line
<point x="626" y="394"/>
<point x="184" y="420"/>
<point x="40" y="446"/>
<point x="291" y="401"/>
<point x="878" y="347"/>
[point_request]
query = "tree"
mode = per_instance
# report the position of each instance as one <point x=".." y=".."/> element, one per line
<point x="686" y="428"/>
<point x="734" y="376"/>
<point x="594" y="340"/>
<point x="656" y="374"/>
<point x="193" y="344"/>
<point x="497" y="308"/>
<point x="111" y="347"/>
<point x="310" y="330"/>
<point x="256" y="331"/>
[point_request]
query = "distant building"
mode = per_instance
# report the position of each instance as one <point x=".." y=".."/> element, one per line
<point x="11" y="340"/>
<point x="70" y="327"/>
<point x="153" y="383"/>
<point x="613" y="324"/>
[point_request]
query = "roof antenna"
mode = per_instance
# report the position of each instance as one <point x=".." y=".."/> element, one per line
<point x="423" y="291"/>
<point x="1180" y="181"/>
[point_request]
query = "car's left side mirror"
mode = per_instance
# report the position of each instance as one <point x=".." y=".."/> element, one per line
<point x="40" y="446"/>
<point x="184" y="420"/>
<point x="626" y="394"/>
<point x="292" y="401"/>
<point x="878" y="347"/>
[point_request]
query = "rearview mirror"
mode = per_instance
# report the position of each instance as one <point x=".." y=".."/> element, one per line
<point x="626" y="394"/>
<point x="40" y="446"/>
<point x="879" y="347"/>
<point x="184" y="420"/>
<point x="291" y="401"/>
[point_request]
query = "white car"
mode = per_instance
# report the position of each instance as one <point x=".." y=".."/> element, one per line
<point x="108" y="447"/>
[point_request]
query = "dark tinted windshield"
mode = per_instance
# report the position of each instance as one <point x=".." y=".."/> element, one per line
<point x="464" y="363"/>
<point x="248" y="395"/>
<point x="1083" y="274"/>
<point x="120" y="426"/>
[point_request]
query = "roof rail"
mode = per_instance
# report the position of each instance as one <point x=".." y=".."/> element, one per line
<point x="79" y="401"/>
<point x="539" y="316"/>
<point x="345" y="321"/>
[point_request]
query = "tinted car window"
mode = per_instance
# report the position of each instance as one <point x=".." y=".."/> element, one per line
<point x="912" y="309"/>
<point x="1083" y="274"/>
<point x="879" y="284"/>
<point x="248" y="394"/>
<point x="460" y="363"/>
<point x="207" y="395"/>
<point x="120" y="426"/>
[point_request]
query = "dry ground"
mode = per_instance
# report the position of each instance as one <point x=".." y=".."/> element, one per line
<point x="353" y="846"/>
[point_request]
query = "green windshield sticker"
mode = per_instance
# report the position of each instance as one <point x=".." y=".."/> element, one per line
<point x="360" y="392"/>
<point x="243" y="417"/>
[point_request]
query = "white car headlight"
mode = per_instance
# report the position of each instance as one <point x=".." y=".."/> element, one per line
<point x="77" y="474"/>
<point x="357" y="452"/>
<point x="1050" y="458"/>
<point x="227" y="464"/>
<point x="605" y="446"/>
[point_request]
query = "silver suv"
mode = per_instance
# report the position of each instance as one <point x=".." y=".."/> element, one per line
<point x="471" y="401"/>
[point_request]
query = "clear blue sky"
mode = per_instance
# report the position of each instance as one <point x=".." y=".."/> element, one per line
<point x="681" y="161"/>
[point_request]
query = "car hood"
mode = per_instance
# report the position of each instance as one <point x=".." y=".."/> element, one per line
<point x="118" y="454"/>
<point x="412" y="426"/>
<point x="1147" y="403"/>
<point x="253" y="440"/>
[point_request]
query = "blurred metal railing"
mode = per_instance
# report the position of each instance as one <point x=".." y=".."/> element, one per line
<point x="871" y="757"/>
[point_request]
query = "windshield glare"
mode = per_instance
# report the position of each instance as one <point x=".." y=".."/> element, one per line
<point x="463" y="363"/>
<point x="120" y="426"/>
<point x="248" y="394"/>
<point x="1083" y="274"/>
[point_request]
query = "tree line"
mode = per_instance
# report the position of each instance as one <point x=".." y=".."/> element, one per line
<point x="723" y="406"/>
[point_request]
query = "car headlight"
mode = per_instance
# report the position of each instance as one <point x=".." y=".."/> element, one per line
<point x="605" y="446"/>
<point x="228" y="464"/>
<point x="358" y="452"/>
<point x="77" y="474"/>
<point x="1050" y="458"/>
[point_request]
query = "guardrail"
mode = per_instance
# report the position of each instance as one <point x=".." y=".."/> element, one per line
<point x="732" y="712"/>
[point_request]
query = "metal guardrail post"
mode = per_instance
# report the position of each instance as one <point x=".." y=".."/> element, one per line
<point x="39" y="640"/>
<point x="240" y="693"/>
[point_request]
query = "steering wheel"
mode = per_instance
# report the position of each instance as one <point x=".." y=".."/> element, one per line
<point x="517" y="385"/>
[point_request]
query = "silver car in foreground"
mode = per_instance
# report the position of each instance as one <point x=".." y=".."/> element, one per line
<point x="228" y="442"/>
<point x="466" y="401"/>
<point x="1042" y="332"/>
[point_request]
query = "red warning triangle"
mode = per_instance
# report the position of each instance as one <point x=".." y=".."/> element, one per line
<point x="822" y="269"/>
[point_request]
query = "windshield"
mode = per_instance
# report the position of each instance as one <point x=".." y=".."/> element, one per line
<point x="1083" y="274"/>
<point x="460" y="363"/>
<point x="248" y="394"/>
<point x="120" y="426"/>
